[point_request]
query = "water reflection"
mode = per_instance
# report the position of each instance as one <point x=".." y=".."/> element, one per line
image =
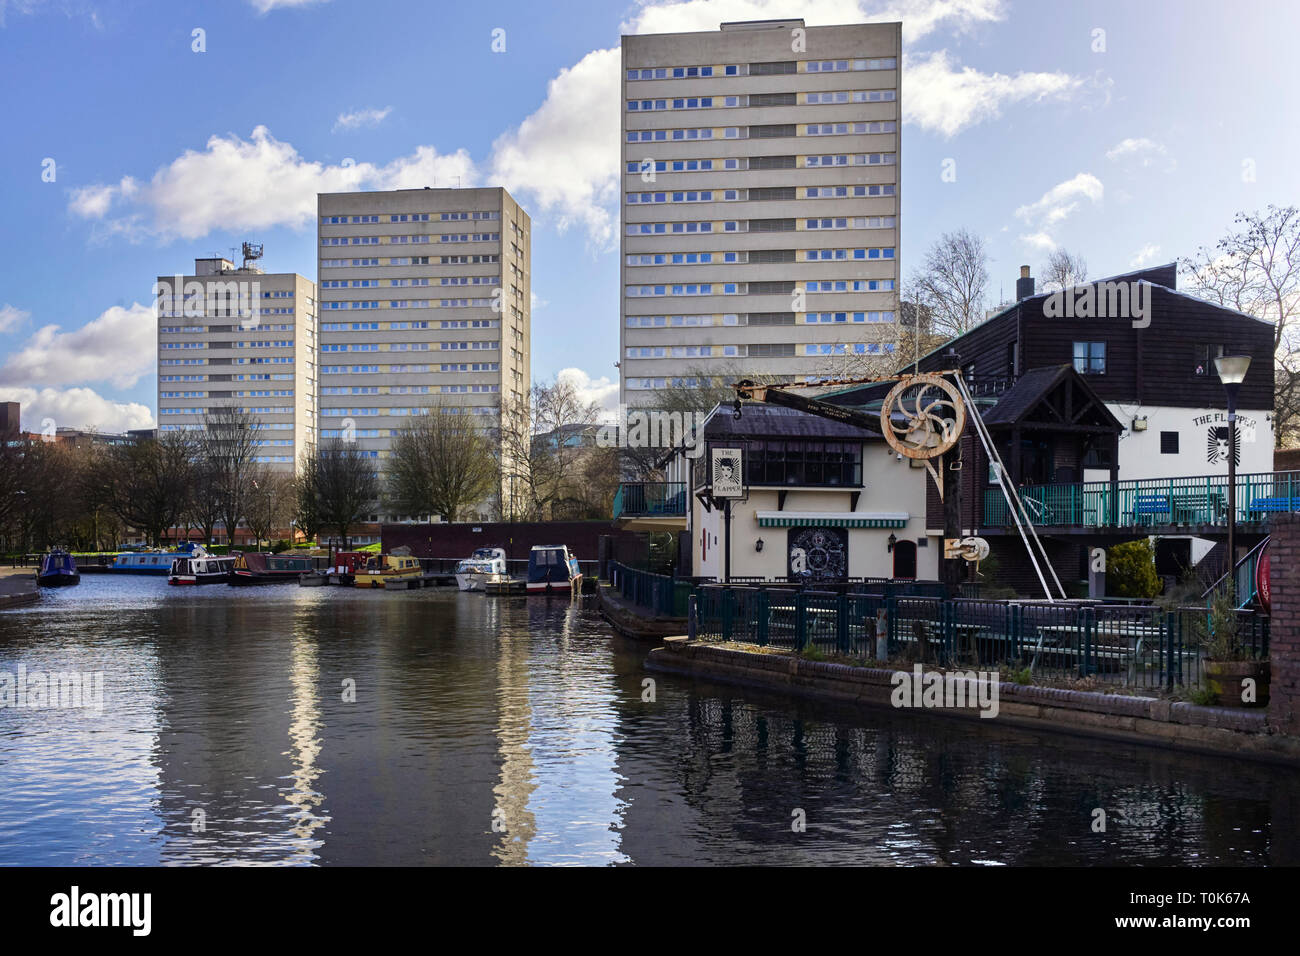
<point x="527" y="712"/>
<point x="304" y="678"/>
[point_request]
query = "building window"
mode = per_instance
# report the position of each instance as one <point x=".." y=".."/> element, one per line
<point x="1205" y="356"/>
<point x="1169" y="443"/>
<point x="801" y="462"/>
<point x="1090" y="358"/>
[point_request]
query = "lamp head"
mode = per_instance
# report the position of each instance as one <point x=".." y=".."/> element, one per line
<point x="1232" y="368"/>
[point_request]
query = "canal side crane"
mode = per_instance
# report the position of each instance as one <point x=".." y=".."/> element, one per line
<point x="922" y="418"/>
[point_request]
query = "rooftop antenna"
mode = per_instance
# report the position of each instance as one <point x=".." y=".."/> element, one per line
<point x="252" y="252"/>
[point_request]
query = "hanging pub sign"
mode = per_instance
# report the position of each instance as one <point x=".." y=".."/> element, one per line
<point x="725" y="472"/>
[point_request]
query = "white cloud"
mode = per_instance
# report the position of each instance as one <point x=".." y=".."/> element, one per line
<point x="361" y="118"/>
<point x="1061" y="200"/>
<point x="266" y="6"/>
<point x="258" y="183"/>
<point x="566" y="154"/>
<point x="940" y="97"/>
<point x="1144" y="255"/>
<point x="1039" y="240"/>
<point x="919" y="17"/>
<point x="119" y="346"/>
<point x="602" y="391"/>
<point x="563" y="159"/>
<point x="77" y="408"/>
<point x="1145" y="149"/>
<point x="93" y="202"/>
<point x="11" y="316"/>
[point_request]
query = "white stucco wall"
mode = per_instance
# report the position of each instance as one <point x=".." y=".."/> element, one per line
<point x="1139" y="451"/>
<point x="890" y="486"/>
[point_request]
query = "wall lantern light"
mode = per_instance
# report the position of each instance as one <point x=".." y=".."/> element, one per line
<point x="758" y="545"/>
<point x="893" y="540"/>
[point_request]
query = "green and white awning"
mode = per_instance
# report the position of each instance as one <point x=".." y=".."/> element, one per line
<point x="832" y="519"/>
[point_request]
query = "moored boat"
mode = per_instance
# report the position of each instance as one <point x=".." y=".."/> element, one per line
<point x="199" y="567"/>
<point x="57" y="569"/>
<point x="313" y="579"/>
<point x="142" y="562"/>
<point x="485" y="566"/>
<point x="261" y="567"/>
<point x="551" y="569"/>
<point x="380" y="569"/>
<point x="343" y="570"/>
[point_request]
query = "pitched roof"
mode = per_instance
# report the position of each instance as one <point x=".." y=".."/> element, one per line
<point x="1033" y="387"/>
<point x="775" y="421"/>
<point x="1165" y="276"/>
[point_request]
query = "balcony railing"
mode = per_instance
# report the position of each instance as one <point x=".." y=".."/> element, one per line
<point x="1193" y="501"/>
<point x="650" y="499"/>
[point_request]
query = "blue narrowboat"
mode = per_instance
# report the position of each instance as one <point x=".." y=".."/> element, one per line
<point x="143" y="562"/>
<point x="551" y="568"/>
<point x="57" y="569"/>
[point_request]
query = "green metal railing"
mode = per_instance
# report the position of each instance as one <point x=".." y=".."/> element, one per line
<point x="640" y="499"/>
<point x="657" y="593"/>
<point x="1124" y="644"/>
<point x="1199" y="500"/>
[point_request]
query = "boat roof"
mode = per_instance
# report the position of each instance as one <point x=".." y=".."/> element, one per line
<point x="550" y="547"/>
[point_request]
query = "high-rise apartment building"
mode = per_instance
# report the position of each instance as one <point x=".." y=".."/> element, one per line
<point x="424" y="304"/>
<point x="244" y="338"/>
<point x="760" y="202"/>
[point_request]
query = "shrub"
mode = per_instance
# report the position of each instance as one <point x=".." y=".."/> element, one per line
<point x="1131" y="570"/>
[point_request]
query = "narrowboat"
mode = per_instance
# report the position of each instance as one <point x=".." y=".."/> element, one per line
<point x="379" y="569"/>
<point x="57" y="569"/>
<point x="199" y="567"/>
<point x="485" y="566"/>
<point x="261" y="567"/>
<point x="551" y="568"/>
<point x="142" y="562"/>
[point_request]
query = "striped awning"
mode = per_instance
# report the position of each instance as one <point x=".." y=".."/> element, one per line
<point x="826" y="519"/>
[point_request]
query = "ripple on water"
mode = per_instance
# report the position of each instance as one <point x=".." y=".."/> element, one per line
<point x="509" y="732"/>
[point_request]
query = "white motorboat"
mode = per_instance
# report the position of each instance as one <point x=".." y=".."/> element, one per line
<point x="484" y="566"/>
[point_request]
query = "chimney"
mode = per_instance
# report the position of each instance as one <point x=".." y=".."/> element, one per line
<point x="1024" y="285"/>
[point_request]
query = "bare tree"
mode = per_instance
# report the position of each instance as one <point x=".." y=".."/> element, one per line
<point x="268" y="504"/>
<point x="1063" y="270"/>
<point x="203" y="506"/>
<point x="544" y="454"/>
<point x="952" y="281"/>
<point x="441" y="464"/>
<point x="306" y="510"/>
<point x="228" y="446"/>
<point x="145" y="483"/>
<point x="13" y="480"/>
<point x="916" y="336"/>
<point x="1255" y="269"/>
<point x="346" y="486"/>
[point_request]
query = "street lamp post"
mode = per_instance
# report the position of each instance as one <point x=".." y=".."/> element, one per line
<point x="1232" y="372"/>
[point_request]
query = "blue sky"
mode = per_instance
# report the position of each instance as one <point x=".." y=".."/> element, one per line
<point x="1131" y="154"/>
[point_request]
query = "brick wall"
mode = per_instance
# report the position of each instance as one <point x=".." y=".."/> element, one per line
<point x="1284" y="639"/>
<point x="459" y="539"/>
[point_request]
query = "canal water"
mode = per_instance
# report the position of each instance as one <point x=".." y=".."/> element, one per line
<point x="287" y="725"/>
